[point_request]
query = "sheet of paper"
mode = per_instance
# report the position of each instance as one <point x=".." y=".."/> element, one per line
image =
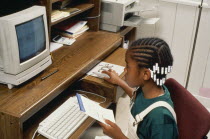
<point x="105" y="66"/>
<point x="54" y="46"/>
<point x="150" y="21"/>
<point x="102" y="137"/>
<point x="94" y="110"/>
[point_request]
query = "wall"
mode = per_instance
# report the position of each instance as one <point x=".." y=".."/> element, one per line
<point x="177" y="26"/>
<point x="200" y="71"/>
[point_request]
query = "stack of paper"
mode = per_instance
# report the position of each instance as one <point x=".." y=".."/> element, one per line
<point x="94" y="110"/>
<point x="59" y="14"/>
<point x="54" y="46"/>
<point x="72" y="30"/>
<point x="56" y="15"/>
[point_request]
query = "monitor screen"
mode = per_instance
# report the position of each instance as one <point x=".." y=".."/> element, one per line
<point x="31" y="38"/>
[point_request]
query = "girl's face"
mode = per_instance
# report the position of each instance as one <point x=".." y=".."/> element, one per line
<point x="134" y="75"/>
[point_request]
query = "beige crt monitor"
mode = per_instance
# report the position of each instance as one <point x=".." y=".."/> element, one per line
<point x="24" y="45"/>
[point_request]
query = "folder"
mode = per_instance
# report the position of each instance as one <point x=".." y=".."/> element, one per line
<point x="94" y="110"/>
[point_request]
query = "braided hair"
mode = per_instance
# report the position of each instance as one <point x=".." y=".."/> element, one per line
<point x="153" y="54"/>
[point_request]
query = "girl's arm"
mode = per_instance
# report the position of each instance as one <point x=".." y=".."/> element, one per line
<point x="115" y="79"/>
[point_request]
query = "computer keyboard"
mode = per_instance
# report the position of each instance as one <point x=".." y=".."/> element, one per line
<point x="63" y="121"/>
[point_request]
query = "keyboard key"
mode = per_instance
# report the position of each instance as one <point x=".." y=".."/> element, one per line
<point x="63" y="122"/>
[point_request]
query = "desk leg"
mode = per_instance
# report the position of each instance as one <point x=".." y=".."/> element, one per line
<point x="131" y="36"/>
<point x="10" y="127"/>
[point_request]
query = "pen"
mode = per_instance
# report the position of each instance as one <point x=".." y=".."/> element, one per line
<point x="49" y="74"/>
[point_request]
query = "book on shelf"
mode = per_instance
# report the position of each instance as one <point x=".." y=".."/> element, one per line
<point x="71" y="27"/>
<point x="70" y="10"/>
<point x="72" y="30"/>
<point x="59" y="14"/>
<point x="76" y="34"/>
<point x="56" y="15"/>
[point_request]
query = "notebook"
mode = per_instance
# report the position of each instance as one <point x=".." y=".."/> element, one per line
<point x="94" y="110"/>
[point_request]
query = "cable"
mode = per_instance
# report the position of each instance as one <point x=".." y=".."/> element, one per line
<point x="34" y="133"/>
<point x="92" y="94"/>
<point x="194" y="44"/>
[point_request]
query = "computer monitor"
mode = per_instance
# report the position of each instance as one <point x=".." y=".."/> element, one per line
<point x="24" y="45"/>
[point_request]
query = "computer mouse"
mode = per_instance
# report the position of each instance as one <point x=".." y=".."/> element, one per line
<point x="101" y="75"/>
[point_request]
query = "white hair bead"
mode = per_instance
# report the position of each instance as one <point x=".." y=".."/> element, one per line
<point x="164" y="79"/>
<point x="154" y="77"/>
<point x="169" y="69"/>
<point x="156" y="65"/>
<point x="161" y="82"/>
<point x="157" y="82"/>
<point x="154" y="68"/>
<point x="162" y="70"/>
<point x="166" y="70"/>
<point x="151" y="72"/>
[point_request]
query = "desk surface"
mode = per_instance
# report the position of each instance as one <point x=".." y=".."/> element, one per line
<point x="72" y="61"/>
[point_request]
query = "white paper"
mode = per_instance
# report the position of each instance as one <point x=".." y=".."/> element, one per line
<point x="134" y="9"/>
<point x="150" y="21"/>
<point x="105" y="66"/>
<point x="54" y="46"/>
<point x="97" y="112"/>
<point x="102" y="137"/>
<point x="77" y="27"/>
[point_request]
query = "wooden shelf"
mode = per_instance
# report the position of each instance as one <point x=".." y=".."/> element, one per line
<point x="54" y="1"/>
<point x="82" y="7"/>
<point x="124" y="31"/>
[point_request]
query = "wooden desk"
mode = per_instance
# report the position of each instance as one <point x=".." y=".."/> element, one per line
<point x="102" y="87"/>
<point x="32" y="124"/>
<point x="23" y="102"/>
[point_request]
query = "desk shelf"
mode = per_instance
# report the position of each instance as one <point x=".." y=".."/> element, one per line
<point x="83" y="7"/>
<point x="32" y="124"/>
<point x="54" y="1"/>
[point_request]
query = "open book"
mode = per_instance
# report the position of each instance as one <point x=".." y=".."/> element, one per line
<point x="94" y="110"/>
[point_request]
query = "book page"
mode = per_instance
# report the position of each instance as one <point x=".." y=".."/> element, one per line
<point x="94" y="110"/>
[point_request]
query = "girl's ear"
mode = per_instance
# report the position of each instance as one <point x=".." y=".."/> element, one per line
<point x="147" y="74"/>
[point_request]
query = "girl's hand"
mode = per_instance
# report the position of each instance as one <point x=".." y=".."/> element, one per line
<point x="112" y="130"/>
<point x="114" y="77"/>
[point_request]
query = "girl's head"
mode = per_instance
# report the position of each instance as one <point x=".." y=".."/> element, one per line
<point x="148" y="60"/>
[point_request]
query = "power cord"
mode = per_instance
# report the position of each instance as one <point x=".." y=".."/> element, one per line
<point x="34" y="134"/>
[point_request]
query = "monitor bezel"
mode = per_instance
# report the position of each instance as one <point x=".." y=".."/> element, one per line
<point x="11" y="59"/>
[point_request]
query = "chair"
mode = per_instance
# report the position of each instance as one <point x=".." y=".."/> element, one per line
<point x="193" y="119"/>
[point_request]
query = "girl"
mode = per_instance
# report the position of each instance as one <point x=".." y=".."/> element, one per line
<point x="148" y="61"/>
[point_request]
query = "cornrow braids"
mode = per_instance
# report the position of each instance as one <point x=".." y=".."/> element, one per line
<point x="154" y="54"/>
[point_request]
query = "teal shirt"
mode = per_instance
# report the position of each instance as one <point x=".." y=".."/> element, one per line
<point x="159" y="123"/>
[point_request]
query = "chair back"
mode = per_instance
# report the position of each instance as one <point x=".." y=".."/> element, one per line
<point x="193" y="119"/>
